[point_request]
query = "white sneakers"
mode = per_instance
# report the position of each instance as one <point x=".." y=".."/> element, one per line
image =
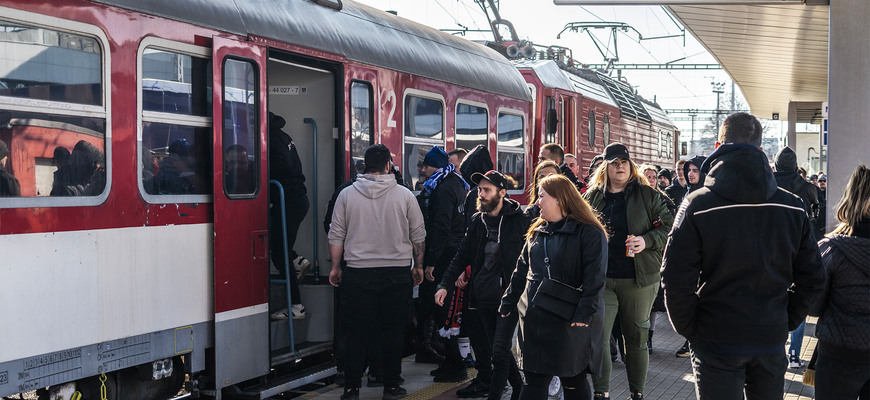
<point x="794" y="361"/>
<point x="298" y="311"/>
<point x="301" y="265"/>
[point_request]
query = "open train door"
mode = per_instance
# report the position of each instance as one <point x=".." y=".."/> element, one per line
<point x="241" y="255"/>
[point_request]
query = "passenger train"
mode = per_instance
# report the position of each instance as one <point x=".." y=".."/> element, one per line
<point x="135" y="259"/>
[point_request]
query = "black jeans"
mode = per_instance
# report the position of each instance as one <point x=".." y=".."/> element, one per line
<point x="575" y="387"/>
<point x="500" y="332"/>
<point x="428" y="309"/>
<point x="295" y="210"/>
<point x="720" y="375"/>
<point x="841" y="377"/>
<point x="374" y="303"/>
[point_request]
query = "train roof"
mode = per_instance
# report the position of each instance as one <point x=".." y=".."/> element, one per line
<point x="356" y="31"/>
<point x="656" y="112"/>
<point x="552" y="75"/>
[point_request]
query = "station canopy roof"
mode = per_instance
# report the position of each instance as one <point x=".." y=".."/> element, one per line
<point x="776" y="51"/>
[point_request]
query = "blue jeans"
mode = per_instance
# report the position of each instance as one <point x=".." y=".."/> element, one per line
<point x="720" y="375"/>
<point x="797" y="339"/>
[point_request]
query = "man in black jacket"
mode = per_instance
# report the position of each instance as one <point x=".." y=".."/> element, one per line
<point x="741" y="269"/>
<point x="787" y="177"/>
<point x="677" y="189"/>
<point x="555" y="153"/>
<point x="445" y="226"/>
<point x="491" y="247"/>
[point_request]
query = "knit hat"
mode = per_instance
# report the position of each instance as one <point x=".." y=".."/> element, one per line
<point x="785" y="160"/>
<point x="665" y="173"/>
<point x="436" y="158"/>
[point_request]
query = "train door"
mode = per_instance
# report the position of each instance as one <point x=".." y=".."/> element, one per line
<point x="240" y="222"/>
<point x="302" y="96"/>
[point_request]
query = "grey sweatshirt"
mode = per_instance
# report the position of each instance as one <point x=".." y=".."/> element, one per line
<point x="376" y="221"/>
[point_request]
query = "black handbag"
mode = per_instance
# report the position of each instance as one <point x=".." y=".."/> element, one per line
<point x="556" y="297"/>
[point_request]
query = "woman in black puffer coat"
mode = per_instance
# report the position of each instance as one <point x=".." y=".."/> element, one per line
<point x="567" y="243"/>
<point x="843" y="364"/>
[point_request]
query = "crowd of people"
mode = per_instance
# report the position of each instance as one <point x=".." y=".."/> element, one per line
<point x="725" y="244"/>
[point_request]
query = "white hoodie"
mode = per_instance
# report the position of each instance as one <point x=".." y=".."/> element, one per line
<point x="376" y="220"/>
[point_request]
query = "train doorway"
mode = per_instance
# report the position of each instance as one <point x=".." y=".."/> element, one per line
<point x="302" y="107"/>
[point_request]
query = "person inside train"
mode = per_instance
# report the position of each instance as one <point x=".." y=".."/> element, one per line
<point x="490" y="246"/>
<point x="238" y="173"/>
<point x="638" y="220"/>
<point x="61" y="176"/>
<point x="87" y="172"/>
<point x="566" y="247"/>
<point x="286" y="168"/>
<point x="843" y="349"/>
<point x="555" y="153"/>
<point x="445" y="227"/>
<point x="177" y="171"/>
<point x="456" y="156"/>
<point x="573" y="164"/>
<point x="9" y="186"/>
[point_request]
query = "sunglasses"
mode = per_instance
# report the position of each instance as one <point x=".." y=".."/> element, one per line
<point x="823" y="180"/>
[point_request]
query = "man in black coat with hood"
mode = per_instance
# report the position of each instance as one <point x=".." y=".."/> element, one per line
<point x="788" y="178"/>
<point x="740" y="270"/>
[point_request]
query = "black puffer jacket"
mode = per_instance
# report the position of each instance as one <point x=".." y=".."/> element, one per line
<point x="513" y="225"/>
<point x="844" y="306"/>
<point x="578" y="257"/>
<point x="741" y="265"/>
<point x="445" y="224"/>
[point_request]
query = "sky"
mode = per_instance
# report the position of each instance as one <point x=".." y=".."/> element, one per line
<point x="540" y="21"/>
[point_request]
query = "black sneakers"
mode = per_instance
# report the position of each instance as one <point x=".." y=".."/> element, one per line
<point x="395" y="393"/>
<point x="636" y="396"/>
<point x="350" y="394"/>
<point x="475" y="389"/>
<point x="683" y="351"/>
<point x="452" y="375"/>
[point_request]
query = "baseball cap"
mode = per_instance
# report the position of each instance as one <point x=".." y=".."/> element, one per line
<point x="614" y="151"/>
<point x="494" y="177"/>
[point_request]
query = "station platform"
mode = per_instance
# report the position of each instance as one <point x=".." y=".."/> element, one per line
<point x="669" y="377"/>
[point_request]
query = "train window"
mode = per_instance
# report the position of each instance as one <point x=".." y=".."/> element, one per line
<point x="660" y="143"/>
<point x="511" y="152"/>
<point x="606" y="130"/>
<point x="361" y="128"/>
<point x="53" y="118"/>
<point x="175" y="153"/>
<point x="240" y="128"/>
<point x="46" y="64"/>
<point x="424" y="128"/>
<point x="591" y="128"/>
<point x="552" y="121"/>
<point x="472" y="125"/>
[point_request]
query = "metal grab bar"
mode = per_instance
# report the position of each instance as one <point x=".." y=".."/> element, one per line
<point x="286" y="280"/>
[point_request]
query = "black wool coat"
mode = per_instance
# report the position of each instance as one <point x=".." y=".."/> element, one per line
<point x="578" y="257"/>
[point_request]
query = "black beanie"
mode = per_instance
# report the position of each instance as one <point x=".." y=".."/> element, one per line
<point x="785" y="160"/>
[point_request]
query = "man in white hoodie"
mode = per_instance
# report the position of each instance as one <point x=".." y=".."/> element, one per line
<point x="377" y="227"/>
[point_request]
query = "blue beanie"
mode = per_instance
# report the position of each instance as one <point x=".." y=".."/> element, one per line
<point x="436" y="158"/>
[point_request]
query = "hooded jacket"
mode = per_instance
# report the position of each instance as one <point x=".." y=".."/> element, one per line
<point x="741" y="265"/>
<point x="376" y="221"/>
<point x="787" y="178"/>
<point x="477" y="160"/>
<point x="844" y="306"/>
<point x="284" y="163"/>
<point x="697" y="161"/>
<point x="512" y="228"/>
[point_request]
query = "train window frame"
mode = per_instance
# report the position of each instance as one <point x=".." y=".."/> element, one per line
<point x="371" y="116"/>
<point x="58" y="108"/>
<point x="471" y="103"/>
<point x="591" y="128"/>
<point x="256" y="175"/>
<point x="422" y="141"/>
<point x="143" y="116"/>
<point x="514" y="149"/>
<point x="605" y="130"/>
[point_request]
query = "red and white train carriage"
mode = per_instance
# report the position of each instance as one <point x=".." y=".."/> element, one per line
<point x="154" y="262"/>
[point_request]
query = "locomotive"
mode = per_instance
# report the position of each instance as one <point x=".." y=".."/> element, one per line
<point x="133" y="262"/>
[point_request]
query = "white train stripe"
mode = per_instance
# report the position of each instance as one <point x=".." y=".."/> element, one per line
<point x="241" y="312"/>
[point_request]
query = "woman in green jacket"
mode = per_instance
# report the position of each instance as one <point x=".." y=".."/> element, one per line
<point x="638" y="220"/>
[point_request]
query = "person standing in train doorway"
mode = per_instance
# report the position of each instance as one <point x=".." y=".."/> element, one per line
<point x="741" y="269"/>
<point x="286" y="168"/>
<point x="376" y="228"/>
